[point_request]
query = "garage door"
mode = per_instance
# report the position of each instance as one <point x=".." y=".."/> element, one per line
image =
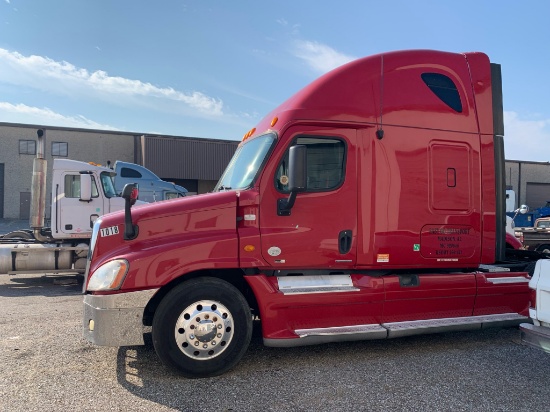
<point x="537" y="194"/>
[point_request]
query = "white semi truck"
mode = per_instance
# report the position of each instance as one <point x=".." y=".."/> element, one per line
<point x="81" y="193"/>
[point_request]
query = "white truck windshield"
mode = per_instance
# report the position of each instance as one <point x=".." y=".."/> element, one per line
<point x="107" y="184"/>
<point x="247" y="160"/>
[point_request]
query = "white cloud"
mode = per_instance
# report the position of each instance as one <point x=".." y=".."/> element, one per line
<point x="319" y="57"/>
<point x="526" y="139"/>
<point x="62" y="77"/>
<point x="21" y="113"/>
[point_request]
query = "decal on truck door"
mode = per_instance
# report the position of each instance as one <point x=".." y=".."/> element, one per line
<point x="448" y="241"/>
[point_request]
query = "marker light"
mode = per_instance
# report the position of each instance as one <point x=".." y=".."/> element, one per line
<point x="274" y="121"/>
<point x="249" y="248"/>
<point x="250" y="133"/>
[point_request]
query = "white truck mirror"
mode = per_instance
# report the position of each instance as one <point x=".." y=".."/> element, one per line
<point x="85" y="187"/>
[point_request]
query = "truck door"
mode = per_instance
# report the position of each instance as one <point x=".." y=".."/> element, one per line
<point x="74" y="216"/>
<point x="321" y="229"/>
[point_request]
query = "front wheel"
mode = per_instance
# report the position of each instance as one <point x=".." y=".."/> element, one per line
<point x="202" y="327"/>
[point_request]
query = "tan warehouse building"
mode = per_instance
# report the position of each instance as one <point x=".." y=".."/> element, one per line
<point x="194" y="163"/>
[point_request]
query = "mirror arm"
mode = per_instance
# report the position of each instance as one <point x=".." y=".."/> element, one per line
<point x="284" y="206"/>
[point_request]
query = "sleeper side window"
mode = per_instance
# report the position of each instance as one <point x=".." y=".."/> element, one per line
<point x="444" y="88"/>
<point x="325" y="164"/>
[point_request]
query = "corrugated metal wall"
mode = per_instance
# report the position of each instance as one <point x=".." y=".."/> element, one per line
<point x="187" y="158"/>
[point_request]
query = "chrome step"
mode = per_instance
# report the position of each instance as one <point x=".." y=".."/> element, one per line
<point x="418" y="327"/>
<point x="334" y="334"/>
<point x="316" y="336"/>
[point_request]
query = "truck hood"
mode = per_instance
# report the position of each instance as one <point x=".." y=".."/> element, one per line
<point x="172" y="210"/>
<point x="174" y="236"/>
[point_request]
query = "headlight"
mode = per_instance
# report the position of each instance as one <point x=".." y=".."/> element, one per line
<point x="109" y="276"/>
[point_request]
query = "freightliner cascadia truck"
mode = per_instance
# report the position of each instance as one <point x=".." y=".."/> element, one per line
<point x="370" y="205"/>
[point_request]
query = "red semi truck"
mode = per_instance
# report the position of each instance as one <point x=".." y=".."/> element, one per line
<point x="369" y="205"/>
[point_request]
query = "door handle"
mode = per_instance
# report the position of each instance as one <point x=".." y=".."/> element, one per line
<point x="344" y="241"/>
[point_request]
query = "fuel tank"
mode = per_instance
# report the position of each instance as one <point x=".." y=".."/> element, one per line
<point x="34" y="256"/>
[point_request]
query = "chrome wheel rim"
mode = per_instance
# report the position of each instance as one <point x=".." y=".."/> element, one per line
<point x="204" y="330"/>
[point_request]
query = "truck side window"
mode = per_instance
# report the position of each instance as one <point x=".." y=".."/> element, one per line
<point x="72" y="186"/>
<point x="127" y="172"/>
<point x="444" y="88"/>
<point x="325" y="164"/>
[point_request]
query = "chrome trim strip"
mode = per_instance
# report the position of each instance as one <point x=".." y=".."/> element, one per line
<point x="315" y="284"/>
<point x="500" y="281"/>
<point x="328" y="289"/>
<point x="326" y="335"/>
<point x="340" y="330"/>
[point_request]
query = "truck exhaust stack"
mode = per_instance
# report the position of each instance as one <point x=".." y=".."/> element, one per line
<point x="38" y="189"/>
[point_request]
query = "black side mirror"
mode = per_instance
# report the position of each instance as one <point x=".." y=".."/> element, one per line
<point x="130" y="194"/>
<point x="297" y="178"/>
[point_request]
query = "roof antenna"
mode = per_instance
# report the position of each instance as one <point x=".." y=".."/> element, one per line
<point x="380" y="131"/>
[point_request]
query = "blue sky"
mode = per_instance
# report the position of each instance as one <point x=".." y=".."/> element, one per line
<point x="214" y="68"/>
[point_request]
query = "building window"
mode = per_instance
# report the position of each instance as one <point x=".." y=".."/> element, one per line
<point x="60" y="149"/>
<point x="27" y="147"/>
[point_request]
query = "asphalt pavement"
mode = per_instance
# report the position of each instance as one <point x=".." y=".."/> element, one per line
<point x="46" y="365"/>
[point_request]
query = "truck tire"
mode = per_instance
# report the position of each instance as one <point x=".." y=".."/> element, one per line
<point x="19" y="234"/>
<point x="202" y="327"/>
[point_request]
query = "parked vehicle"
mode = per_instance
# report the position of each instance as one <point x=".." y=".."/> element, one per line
<point x="527" y="218"/>
<point x="370" y="205"/>
<point x="537" y="333"/>
<point x="151" y="187"/>
<point x="536" y="237"/>
<point x="81" y="192"/>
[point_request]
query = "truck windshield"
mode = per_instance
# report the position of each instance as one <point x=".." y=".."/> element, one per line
<point x="107" y="184"/>
<point x="244" y="166"/>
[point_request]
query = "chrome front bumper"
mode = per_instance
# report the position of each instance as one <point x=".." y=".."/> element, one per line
<point x="535" y="336"/>
<point x="116" y="320"/>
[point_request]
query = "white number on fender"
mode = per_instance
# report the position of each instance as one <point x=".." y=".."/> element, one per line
<point x="109" y="231"/>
